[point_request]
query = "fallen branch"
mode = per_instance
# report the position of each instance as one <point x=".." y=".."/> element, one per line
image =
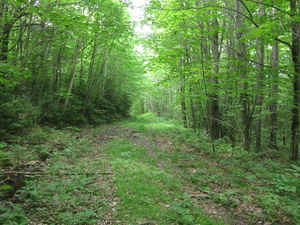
<point x="203" y="196"/>
<point x="42" y="173"/>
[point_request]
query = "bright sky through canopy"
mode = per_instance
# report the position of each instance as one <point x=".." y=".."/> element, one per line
<point x="137" y="12"/>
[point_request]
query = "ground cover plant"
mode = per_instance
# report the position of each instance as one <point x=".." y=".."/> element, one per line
<point x="143" y="170"/>
<point x="239" y="187"/>
<point x="70" y="187"/>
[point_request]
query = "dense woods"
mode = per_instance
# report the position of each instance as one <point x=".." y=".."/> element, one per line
<point x="189" y="115"/>
<point x="228" y="67"/>
<point x="65" y="63"/>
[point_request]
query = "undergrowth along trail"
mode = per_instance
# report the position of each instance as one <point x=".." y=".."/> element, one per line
<point x="193" y="184"/>
<point x="161" y="174"/>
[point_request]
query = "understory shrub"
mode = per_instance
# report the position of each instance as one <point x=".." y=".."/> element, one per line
<point x="17" y="115"/>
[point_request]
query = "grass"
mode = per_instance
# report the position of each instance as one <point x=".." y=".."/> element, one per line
<point x="259" y="189"/>
<point x="158" y="167"/>
<point x="148" y="193"/>
<point x="69" y="192"/>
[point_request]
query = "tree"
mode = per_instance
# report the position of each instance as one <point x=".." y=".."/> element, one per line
<point x="264" y="32"/>
<point x="295" y="51"/>
<point x="71" y="60"/>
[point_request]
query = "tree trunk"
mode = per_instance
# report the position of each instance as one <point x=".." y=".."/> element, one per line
<point x="244" y="96"/>
<point x="295" y="28"/>
<point x="274" y="104"/>
<point x="183" y="106"/>
<point x="214" y="108"/>
<point x="260" y="78"/>
<point x="89" y="91"/>
<point x="5" y="32"/>
<point x="73" y="74"/>
<point x="193" y="113"/>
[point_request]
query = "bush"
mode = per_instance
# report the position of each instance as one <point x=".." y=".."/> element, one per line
<point x="4" y="158"/>
<point x="54" y="111"/>
<point x="17" y="115"/>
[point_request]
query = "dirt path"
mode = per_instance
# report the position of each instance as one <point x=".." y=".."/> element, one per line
<point x="232" y="211"/>
<point x="207" y="179"/>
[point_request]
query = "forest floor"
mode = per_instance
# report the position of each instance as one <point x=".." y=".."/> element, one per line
<point x="143" y="171"/>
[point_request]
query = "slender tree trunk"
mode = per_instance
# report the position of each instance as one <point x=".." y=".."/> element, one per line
<point x="295" y="28"/>
<point x="214" y="107"/>
<point x="89" y="91"/>
<point x="274" y="104"/>
<point x="73" y="73"/>
<point x="260" y="97"/>
<point x="193" y="113"/>
<point x="57" y="67"/>
<point x="171" y="101"/>
<point x="183" y="106"/>
<point x="26" y="42"/>
<point x="244" y="96"/>
<point x="5" y="32"/>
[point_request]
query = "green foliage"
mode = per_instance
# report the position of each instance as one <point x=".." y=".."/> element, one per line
<point x="183" y="212"/>
<point x="69" y="192"/>
<point x="55" y="113"/>
<point x="11" y="74"/>
<point x="82" y="75"/>
<point x="154" y="178"/>
<point x="276" y="187"/>
<point x="202" y="82"/>
<point x="43" y="152"/>
<point x="99" y="116"/>
<point x="58" y="200"/>
<point x="13" y="215"/>
<point x="5" y="158"/>
<point x="20" y="153"/>
<point x="17" y="115"/>
<point x="283" y="193"/>
<point x="148" y="192"/>
<point x="37" y="136"/>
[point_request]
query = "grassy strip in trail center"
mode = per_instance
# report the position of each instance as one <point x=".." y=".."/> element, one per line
<point x="147" y="192"/>
<point x="244" y="188"/>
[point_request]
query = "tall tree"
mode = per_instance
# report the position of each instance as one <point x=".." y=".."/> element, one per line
<point x="247" y="111"/>
<point x="260" y="95"/>
<point x="274" y="98"/>
<point x="295" y="50"/>
<point x="243" y="72"/>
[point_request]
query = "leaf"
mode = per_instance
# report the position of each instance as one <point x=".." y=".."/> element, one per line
<point x="295" y="167"/>
<point x="5" y="187"/>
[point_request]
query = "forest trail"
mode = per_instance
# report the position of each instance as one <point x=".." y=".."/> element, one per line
<point x="230" y="211"/>
<point x="228" y="69"/>
<point x="143" y="172"/>
<point x="201" y="199"/>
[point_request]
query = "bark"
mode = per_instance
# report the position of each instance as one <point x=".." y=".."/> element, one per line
<point x="274" y="104"/>
<point x="89" y="91"/>
<point x="5" y="32"/>
<point x="193" y="112"/>
<point x="73" y="74"/>
<point x="295" y="47"/>
<point x="183" y="106"/>
<point x="26" y="42"/>
<point x="214" y="107"/>
<point x="57" y="65"/>
<point x="260" y="78"/>
<point x="7" y="20"/>
<point x="212" y="51"/>
<point x="244" y="96"/>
